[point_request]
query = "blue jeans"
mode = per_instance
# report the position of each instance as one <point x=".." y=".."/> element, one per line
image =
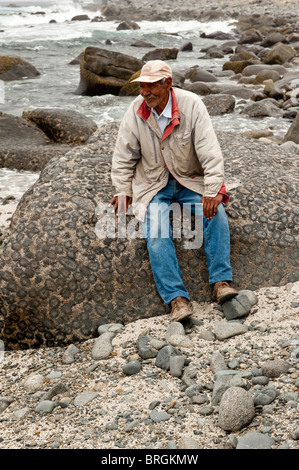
<point x="159" y="238"/>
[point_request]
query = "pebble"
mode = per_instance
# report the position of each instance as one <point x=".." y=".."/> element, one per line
<point x="176" y="365"/>
<point x="131" y="368"/>
<point x="145" y="349"/>
<point x="69" y="355"/>
<point x="164" y="355"/>
<point x="265" y="396"/>
<point x="236" y="409"/>
<point x="103" y="347"/>
<point x="34" y="383"/>
<point x="255" y="440"/>
<point x="5" y="402"/>
<point x="158" y="416"/>
<point x="217" y="362"/>
<point x="85" y="397"/>
<point x="225" y="330"/>
<point x="275" y="368"/>
<point x="111" y="327"/>
<point x="22" y="413"/>
<point x="45" y="406"/>
<point x="225" y="380"/>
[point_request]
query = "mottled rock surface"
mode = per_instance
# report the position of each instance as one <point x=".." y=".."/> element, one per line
<point x="31" y="141"/>
<point x="23" y="146"/>
<point x="62" y="125"/>
<point x="59" y="281"/>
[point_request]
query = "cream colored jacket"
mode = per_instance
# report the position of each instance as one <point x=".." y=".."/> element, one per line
<point x="188" y="149"/>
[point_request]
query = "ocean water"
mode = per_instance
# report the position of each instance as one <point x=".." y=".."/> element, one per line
<point x="26" y="32"/>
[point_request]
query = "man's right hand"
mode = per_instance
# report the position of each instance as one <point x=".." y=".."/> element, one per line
<point x="121" y="204"/>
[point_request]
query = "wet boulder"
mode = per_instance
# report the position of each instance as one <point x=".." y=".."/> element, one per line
<point x="161" y="54"/>
<point x="15" y="68"/>
<point x="273" y="38"/>
<point x="196" y="74"/>
<point x="23" y="146"/>
<point x="293" y="132"/>
<point x="255" y="69"/>
<point x="280" y="54"/>
<point x="62" y="275"/>
<point x="62" y="125"/>
<point x="127" y="25"/>
<point x="105" y="72"/>
<point x="80" y="18"/>
<point x="264" y="108"/>
<point x="219" y="104"/>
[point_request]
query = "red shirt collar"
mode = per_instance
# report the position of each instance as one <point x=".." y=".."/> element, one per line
<point x="144" y="112"/>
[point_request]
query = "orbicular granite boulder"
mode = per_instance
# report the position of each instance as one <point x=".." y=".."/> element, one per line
<point x="105" y="72"/>
<point x="60" y="279"/>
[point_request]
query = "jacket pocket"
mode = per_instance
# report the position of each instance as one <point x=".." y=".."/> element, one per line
<point x="154" y="147"/>
<point x="183" y="154"/>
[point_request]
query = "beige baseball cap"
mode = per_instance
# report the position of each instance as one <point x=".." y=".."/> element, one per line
<point x="153" y="71"/>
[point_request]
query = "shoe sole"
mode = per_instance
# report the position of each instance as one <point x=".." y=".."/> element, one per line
<point x="181" y="317"/>
<point x="226" y="297"/>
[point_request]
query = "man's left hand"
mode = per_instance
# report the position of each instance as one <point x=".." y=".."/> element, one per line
<point x="210" y="205"/>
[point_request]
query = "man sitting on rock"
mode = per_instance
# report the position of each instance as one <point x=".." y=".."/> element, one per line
<point x="166" y="152"/>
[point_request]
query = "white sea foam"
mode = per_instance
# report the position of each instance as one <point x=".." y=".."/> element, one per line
<point x="13" y="182"/>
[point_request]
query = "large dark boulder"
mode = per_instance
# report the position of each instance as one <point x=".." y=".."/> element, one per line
<point x="265" y="108"/>
<point x="15" y="68"/>
<point x="196" y="74"/>
<point x="219" y="104"/>
<point x="23" y="146"/>
<point x="293" y="132"/>
<point x="29" y="142"/>
<point x="59" y="280"/>
<point x="105" y="72"/>
<point x="62" y="125"/>
<point x="161" y="54"/>
<point x="280" y="54"/>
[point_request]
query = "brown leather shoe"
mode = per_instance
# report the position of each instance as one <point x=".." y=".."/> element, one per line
<point x="223" y="292"/>
<point x="180" y="309"/>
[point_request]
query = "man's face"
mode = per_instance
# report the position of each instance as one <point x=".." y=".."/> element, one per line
<point x="156" y="94"/>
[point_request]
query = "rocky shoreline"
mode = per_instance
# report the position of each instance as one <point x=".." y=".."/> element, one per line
<point x="109" y="392"/>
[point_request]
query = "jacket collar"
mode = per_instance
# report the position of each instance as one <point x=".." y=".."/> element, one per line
<point x="144" y="112"/>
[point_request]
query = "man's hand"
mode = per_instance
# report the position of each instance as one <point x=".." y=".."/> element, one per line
<point x="121" y="204"/>
<point x="210" y="205"/>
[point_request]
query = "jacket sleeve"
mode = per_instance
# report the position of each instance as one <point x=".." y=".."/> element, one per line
<point x="126" y="154"/>
<point x="208" y="151"/>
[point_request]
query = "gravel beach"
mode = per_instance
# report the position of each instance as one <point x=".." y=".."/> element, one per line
<point x="207" y="384"/>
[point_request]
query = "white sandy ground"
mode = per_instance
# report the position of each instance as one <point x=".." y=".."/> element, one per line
<point x="273" y="324"/>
